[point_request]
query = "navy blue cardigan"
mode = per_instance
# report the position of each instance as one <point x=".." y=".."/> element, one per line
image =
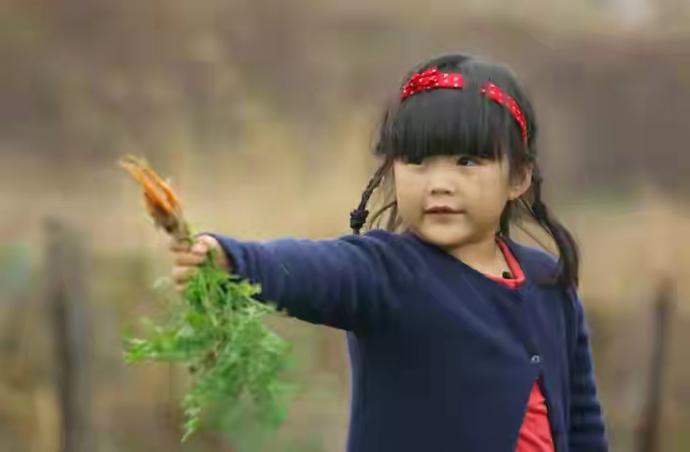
<point x="442" y="357"/>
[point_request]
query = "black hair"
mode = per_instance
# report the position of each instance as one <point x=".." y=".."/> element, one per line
<point x="463" y="121"/>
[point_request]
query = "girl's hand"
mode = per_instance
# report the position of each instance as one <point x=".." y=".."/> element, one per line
<point x="187" y="259"/>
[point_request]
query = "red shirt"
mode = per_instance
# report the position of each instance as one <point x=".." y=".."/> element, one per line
<point x="535" y="432"/>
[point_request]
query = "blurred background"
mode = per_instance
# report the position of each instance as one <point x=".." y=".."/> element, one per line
<point x="263" y="113"/>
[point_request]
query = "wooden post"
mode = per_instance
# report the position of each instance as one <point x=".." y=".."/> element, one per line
<point x="65" y="302"/>
<point x="650" y="424"/>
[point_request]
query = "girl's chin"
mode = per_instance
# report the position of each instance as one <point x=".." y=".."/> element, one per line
<point x="444" y="234"/>
<point x="443" y="218"/>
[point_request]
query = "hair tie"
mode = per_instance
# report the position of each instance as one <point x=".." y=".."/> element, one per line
<point x="357" y="219"/>
<point x="433" y="78"/>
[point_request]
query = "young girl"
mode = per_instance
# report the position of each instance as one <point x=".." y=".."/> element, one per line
<point x="459" y="337"/>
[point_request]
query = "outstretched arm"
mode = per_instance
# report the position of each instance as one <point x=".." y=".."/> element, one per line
<point x="347" y="282"/>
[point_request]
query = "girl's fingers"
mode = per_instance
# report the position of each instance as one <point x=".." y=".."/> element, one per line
<point x="199" y="248"/>
<point x="182" y="274"/>
<point x="184" y="255"/>
<point x="206" y="243"/>
<point x="189" y="259"/>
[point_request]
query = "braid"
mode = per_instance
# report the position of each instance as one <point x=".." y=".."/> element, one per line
<point x="359" y="215"/>
<point x="568" y="262"/>
<point x="538" y="207"/>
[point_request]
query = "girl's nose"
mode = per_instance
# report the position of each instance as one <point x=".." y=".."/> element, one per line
<point x="441" y="185"/>
<point x="440" y="177"/>
<point x="441" y="190"/>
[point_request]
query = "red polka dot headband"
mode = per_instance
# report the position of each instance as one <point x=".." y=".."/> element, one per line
<point x="432" y="78"/>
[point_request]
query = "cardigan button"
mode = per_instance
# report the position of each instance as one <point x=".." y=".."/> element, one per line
<point x="535" y="359"/>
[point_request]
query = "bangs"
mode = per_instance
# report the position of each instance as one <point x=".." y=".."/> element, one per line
<point x="448" y="122"/>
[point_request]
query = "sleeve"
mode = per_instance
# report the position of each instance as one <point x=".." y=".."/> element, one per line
<point x="586" y="432"/>
<point x="344" y="282"/>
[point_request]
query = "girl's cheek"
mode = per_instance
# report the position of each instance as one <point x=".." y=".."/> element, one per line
<point x="411" y="210"/>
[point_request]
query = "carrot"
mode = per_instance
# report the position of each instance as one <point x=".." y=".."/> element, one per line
<point x="215" y="328"/>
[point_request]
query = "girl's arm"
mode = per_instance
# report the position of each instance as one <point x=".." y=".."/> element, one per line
<point x="345" y="282"/>
<point x="587" y="430"/>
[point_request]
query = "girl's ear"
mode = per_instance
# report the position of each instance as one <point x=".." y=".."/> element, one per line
<point x="521" y="183"/>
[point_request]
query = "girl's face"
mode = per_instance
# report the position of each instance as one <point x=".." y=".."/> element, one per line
<point x="476" y="188"/>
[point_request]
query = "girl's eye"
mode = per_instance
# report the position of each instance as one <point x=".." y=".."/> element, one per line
<point x="463" y="160"/>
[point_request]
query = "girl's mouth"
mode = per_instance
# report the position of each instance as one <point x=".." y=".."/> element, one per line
<point x="442" y="210"/>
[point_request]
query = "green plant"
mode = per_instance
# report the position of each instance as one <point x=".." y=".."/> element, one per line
<point x="215" y="329"/>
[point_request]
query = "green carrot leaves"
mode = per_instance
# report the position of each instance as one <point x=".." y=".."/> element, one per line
<point x="234" y="359"/>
